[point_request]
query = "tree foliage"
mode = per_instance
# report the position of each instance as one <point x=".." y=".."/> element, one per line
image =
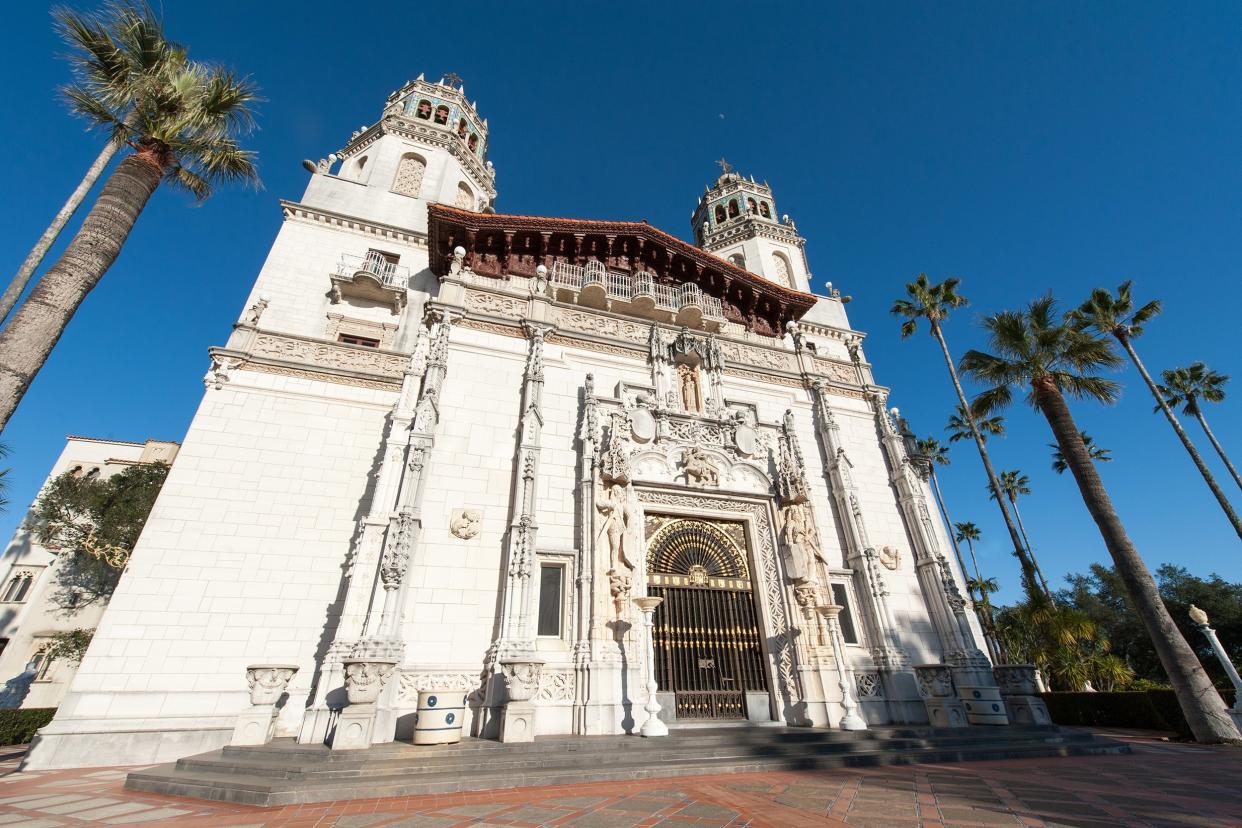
<point x="1099" y="594"/>
<point x="92" y="524"/>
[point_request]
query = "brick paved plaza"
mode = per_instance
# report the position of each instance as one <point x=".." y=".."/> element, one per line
<point x="1161" y="784"/>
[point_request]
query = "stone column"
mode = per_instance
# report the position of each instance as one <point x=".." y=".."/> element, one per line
<point x="584" y="618"/>
<point x="850" y="720"/>
<point x="1200" y="619"/>
<point x="267" y="684"/>
<point x="874" y="612"/>
<point x="516" y="640"/>
<point x="652" y="726"/>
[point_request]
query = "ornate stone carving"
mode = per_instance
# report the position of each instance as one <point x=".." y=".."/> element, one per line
<point x="396" y="557"/>
<point x="521" y="679"/>
<point x="412" y="683"/>
<point x="255" y="312"/>
<point x="1016" y="679"/>
<point x="365" y="678"/>
<point x="869" y="686"/>
<point x="494" y="304"/>
<point x="791" y="483"/>
<point x="758" y="357"/>
<point x="935" y="681"/>
<point x="690" y="388"/>
<point x="522" y="553"/>
<point x="799" y="533"/>
<point x="890" y="557"/>
<point x="840" y="371"/>
<point x="556" y="685"/>
<point x="602" y="325"/>
<point x="466" y="523"/>
<point x="614" y="466"/>
<point x="328" y="355"/>
<point x="617" y="524"/>
<point x="268" y="681"/>
<point x="619" y="584"/>
<point x="699" y="468"/>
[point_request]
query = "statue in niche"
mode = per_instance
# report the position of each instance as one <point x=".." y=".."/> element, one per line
<point x="699" y="468"/>
<point x="617" y="518"/>
<point x="800" y="532"/>
<point x="691" y="391"/>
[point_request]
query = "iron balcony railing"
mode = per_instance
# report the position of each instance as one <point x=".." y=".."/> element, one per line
<point x="629" y="287"/>
<point x="388" y="273"/>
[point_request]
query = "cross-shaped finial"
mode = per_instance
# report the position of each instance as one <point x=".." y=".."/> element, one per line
<point x="724" y="165"/>
<point x="453" y="79"/>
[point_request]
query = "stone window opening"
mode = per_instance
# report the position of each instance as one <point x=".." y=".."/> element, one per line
<point x="354" y="339"/>
<point x="18" y="587"/>
<point x="359" y="168"/>
<point x="733" y="211"/>
<point x="781" y="272"/>
<point x="424" y="110"/>
<point x="442" y="113"/>
<point x="720" y="214"/>
<point x="474" y="142"/>
<point x="764" y="210"/>
<point x="841" y="597"/>
<point x="39" y="663"/>
<point x="551" y="614"/>
<point x="739" y="260"/>
<point x="462" y="128"/>
<point x="409" y="178"/>
<point x="752" y="207"/>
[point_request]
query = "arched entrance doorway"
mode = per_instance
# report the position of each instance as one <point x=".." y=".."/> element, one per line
<point x="708" y="649"/>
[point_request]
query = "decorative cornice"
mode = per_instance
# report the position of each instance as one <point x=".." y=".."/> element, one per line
<point x="317" y="215"/>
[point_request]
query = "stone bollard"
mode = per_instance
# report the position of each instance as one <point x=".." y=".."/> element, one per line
<point x="256" y="723"/>
<point x="522" y="683"/>
<point x="364" y="681"/>
<point x="1020" y="690"/>
<point x="944" y="708"/>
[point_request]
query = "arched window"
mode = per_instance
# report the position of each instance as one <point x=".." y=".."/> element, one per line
<point x="424" y="110"/>
<point x="720" y="214"/>
<point x="462" y="128"/>
<point x="39" y="663"/>
<point x="474" y="142"/>
<point x="17" y="587"/>
<point x="409" y="178"/>
<point x="441" y="114"/>
<point x="781" y="272"/>
<point x="465" y="197"/>
<point x="359" y="168"/>
<point x="764" y="210"/>
<point x="738" y="259"/>
<point x="752" y="207"/>
<point x="733" y="211"/>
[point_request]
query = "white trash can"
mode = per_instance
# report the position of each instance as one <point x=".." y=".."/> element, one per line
<point x="440" y="717"/>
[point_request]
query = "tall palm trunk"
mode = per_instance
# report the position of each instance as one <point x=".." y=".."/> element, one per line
<point x="985" y="605"/>
<point x="35" y="258"/>
<point x="961" y="563"/>
<point x="1205" y="711"/>
<point x="1028" y="569"/>
<point x="28" y="339"/>
<point x="1124" y="339"/>
<point x="1215" y="444"/>
<point x="1030" y="550"/>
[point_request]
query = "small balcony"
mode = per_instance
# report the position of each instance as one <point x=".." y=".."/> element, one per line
<point x="371" y="278"/>
<point x="638" y="294"/>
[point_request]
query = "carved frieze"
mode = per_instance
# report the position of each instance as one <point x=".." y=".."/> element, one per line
<point x="495" y="304"/>
<point x="328" y="355"/>
<point x="603" y="325"/>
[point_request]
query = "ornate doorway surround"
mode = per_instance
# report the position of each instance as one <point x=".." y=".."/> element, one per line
<point x="708" y="651"/>
<point x="772" y="635"/>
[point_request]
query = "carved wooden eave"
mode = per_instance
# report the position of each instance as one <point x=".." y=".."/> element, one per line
<point x="500" y="245"/>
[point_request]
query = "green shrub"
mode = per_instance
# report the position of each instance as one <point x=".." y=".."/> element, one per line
<point x="17" y="727"/>
<point x="1141" y="710"/>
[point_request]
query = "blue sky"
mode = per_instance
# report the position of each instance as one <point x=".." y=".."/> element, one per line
<point x="1024" y="147"/>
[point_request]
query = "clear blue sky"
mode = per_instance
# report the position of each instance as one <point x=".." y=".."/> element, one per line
<point x="1024" y="147"/>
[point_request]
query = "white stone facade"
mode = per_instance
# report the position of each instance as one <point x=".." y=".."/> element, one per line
<point x="392" y="444"/>
<point x="33" y="605"/>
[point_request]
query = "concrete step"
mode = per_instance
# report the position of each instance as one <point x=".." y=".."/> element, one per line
<point x="243" y="786"/>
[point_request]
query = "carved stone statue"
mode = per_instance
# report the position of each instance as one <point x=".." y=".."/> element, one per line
<point x="890" y="556"/>
<point x="617" y="518"/>
<point x="699" y="468"/>
<point x="466" y="523"/>
<point x="255" y="311"/>
<point x="691" y="391"/>
<point x="800" y="532"/>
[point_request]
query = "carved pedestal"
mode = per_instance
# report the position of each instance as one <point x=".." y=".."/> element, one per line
<point x="256" y="723"/>
<point x="944" y="708"/>
<point x="977" y="689"/>
<point x="522" y="682"/>
<point x="1019" y="689"/>
<point x="364" y="680"/>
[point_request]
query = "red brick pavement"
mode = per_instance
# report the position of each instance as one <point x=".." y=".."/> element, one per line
<point x="1162" y="785"/>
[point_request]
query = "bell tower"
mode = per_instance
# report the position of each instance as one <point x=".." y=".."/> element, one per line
<point x="736" y="220"/>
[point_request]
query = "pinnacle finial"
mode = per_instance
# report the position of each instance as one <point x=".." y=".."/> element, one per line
<point x="1198" y="616"/>
<point x="724" y="165"/>
<point x="452" y="79"/>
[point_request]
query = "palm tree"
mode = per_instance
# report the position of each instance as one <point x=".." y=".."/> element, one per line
<point x="935" y="454"/>
<point x="969" y="533"/>
<point x="186" y="133"/>
<point x="1116" y="316"/>
<point x="959" y="426"/>
<point x="1095" y="452"/>
<point x="1038" y="350"/>
<point x="933" y="303"/>
<point x="119" y="55"/>
<point x="1015" y="483"/>
<point x="1188" y="387"/>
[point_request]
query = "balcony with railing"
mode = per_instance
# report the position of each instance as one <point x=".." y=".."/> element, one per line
<point x="372" y="276"/>
<point x="640" y="294"/>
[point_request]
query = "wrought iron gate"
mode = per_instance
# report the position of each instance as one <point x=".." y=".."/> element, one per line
<point x="707" y="644"/>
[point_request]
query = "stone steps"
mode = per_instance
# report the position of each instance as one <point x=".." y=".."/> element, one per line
<point x="284" y="773"/>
